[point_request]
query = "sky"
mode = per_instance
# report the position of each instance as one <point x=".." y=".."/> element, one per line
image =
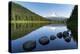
<point x="49" y="9"/>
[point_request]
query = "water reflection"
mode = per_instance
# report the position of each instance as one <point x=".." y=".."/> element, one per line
<point x="59" y="42"/>
<point x="23" y="28"/>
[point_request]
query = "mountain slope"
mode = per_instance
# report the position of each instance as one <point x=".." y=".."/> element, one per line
<point x="20" y="13"/>
<point x="72" y="23"/>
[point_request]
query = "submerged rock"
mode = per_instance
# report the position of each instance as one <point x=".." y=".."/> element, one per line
<point x="59" y="35"/>
<point x="29" y="45"/>
<point x="68" y="39"/>
<point x="52" y="37"/>
<point x="44" y="40"/>
<point x="65" y="34"/>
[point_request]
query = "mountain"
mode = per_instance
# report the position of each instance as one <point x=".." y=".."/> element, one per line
<point x="56" y="18"/>
<point x="19" y="12"/>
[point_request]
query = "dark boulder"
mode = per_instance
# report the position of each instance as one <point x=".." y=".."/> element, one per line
<point x="68" y="39"/>
<point x="59" y="35"/>
<point x="29" y="45"/>
<point x="44" y="40"/>
<point x="52" y="37"/>
<point x="65" y="34"/>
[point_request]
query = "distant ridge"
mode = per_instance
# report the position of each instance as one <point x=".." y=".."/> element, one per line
<point x="57" y="18"/>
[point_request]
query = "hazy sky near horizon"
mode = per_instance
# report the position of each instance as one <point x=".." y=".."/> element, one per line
<point x="49" y="9"/>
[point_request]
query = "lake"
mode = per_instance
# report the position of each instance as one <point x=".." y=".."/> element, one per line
<point x="47" y="30"/>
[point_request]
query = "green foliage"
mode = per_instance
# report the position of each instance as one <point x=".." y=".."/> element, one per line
<point x="72" y="23"/>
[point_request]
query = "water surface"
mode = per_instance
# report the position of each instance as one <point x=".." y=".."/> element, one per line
<point x="47" y="30"/>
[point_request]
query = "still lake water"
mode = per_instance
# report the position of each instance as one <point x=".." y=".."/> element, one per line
<point x="48" y="30"/>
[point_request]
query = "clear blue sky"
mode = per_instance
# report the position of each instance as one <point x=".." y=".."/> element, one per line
<point x="47" y="9"/>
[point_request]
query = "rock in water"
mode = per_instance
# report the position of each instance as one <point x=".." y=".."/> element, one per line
<point x="65" y="34"/>
<point x="59" y="35"/>
<point x="44" y="40"/>
<point x="29" y="45"/>
<point x="52" y="37"/>
<point x="68" y="39"/>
